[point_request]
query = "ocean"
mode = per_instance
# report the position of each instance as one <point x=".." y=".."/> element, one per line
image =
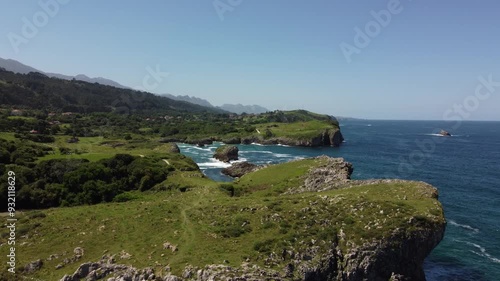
<point x="465" y="168"/>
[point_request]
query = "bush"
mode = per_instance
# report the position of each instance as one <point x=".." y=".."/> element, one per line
<point x="124" y="197"/>
<point x="264" y="247"/>
<point x="237" y="227"/>
<point x="64" y="150"/>
<point x="36" y="138"/>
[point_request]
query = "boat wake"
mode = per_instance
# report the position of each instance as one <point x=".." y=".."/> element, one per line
<point x="437" y="135"/>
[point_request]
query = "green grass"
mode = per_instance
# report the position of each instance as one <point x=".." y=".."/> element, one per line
<point x="7" y="136"/>
<point x="97" y="148"/>
<point x="297" y="130"/>
<point x="22" y="118"/>
<point x="276" y="179"/>
<point x="209" y="226"/>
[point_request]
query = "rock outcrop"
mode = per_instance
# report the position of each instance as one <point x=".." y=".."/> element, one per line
<point x="170" y="147"/>
<point x="33" y="266"/>
<point x="233" y="140"/>
<point x="226" y="153"/>
<point x="239" y="169"/>
<point x="333" y="173"/>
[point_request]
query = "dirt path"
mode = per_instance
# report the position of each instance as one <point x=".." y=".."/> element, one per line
<point x="189" y="233"/>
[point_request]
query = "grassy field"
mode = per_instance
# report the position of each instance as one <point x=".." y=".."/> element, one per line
<point x="97" y="148"/>
<point x="208" y="226"/>
<point x="7" y="136"/>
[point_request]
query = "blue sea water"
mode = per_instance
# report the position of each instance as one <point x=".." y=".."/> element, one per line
<point x="465" y="168"/>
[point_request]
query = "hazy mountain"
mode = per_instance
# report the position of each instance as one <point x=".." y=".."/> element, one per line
<point x="18" y="67"/>
<point x="235" y="108"/>
<point x="239" y="108"/>
<point x="82" y="77"/>
<point x="194" y="100"/>
<point x="36" y="90"/>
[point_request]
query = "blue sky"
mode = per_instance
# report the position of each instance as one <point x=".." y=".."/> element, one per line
<point x="282" y="54"/>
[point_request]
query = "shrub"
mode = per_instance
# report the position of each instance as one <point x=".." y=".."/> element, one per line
<point x="227" y="188"/>
<point x="264" y="247"/>
<point x="124" y="197"/>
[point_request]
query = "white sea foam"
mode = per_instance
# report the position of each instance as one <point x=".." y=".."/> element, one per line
<point x="213" y="164"/>
<point x="258" y="144"/>
<point x="482" y="252"/>
<point x="256" y="151"/>
<point x="464" y="226"/>
<point x="202" y="148"/>
<point x="240" y="159"/>
<point x="282" y="155"/>
<point x="284" y="145"/>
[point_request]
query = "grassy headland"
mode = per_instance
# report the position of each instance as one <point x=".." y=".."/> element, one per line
<point x="208" y="226"/>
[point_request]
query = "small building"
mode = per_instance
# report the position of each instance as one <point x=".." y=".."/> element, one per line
<point x="33" y="132"/>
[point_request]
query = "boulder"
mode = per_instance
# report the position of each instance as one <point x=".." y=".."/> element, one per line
<point x="239" y="169"/>
<point x="33" y="266"/>
<point x="226" y="153"/>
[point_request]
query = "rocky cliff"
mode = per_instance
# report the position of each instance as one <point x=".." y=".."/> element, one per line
<point x="328" y="137"/>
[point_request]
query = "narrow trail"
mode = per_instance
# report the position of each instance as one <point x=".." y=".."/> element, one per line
<point x="189" y="233"/>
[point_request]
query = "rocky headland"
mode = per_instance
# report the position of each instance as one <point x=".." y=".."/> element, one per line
<point x="341" y="229"/>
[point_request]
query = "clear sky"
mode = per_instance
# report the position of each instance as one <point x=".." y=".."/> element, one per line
<point x="281" y="54"/>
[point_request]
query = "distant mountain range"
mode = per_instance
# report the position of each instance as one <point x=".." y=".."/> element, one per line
<point x="36" y="90"/>
<point x="235" y="108"/>
<point x="18" y="67"/>
<point x="239" y="108"/>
